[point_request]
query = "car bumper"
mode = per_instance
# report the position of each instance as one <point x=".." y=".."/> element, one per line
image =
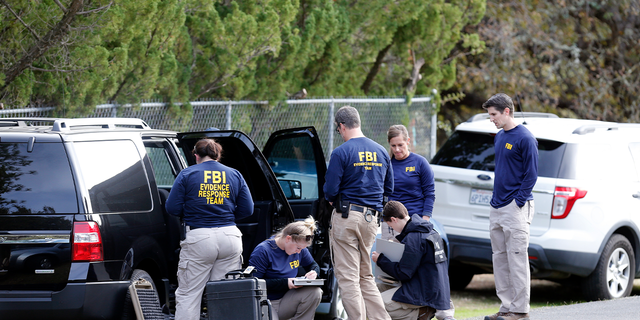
<point x="92" y="300"/>
<point x="545" y="263"/>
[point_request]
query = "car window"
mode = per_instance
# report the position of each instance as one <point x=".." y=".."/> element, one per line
<point x="114" y="175"/>
<point x="597" y="161"/>
<point x="468" y="150"/>
<point x="36" y="182"/>
<point x="161" y="161"/>
<point x="293" y="161"/>
<point x="473" y="150"/>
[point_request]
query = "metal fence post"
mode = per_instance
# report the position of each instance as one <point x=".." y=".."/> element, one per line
<point x="330" y="127"/>
<point x="434" y="126"/>
<point x="229" y="116"/>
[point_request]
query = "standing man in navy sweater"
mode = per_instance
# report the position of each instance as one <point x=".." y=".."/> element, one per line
<point x="359" y="175"/>
<point x="516" y="172"/>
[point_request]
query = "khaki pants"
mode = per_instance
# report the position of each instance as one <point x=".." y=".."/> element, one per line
<point x="297" y="304"/>
<point x="351" y="240"/>
<point x="400" y="310"/>
<point x="206" y="254"/>
<point x="509" y="230"/>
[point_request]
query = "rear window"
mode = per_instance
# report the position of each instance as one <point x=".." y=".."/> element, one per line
<point x="36" y="182"/>
<point x="472" y="150"/>
<point x="114" y="175"/>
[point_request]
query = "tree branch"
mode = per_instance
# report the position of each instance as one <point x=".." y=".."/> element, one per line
<point x="59" y="70"/>
<point x="19" y="19"/>
<point x="41" y="46"/>
<point x="60" y="5"/>
<point x="366" y="86"/>
<point x="96" y="10"/>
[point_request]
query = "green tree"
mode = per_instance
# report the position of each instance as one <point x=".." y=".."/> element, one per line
<point x="575" y="58"/>
<point x="262" y="50"/>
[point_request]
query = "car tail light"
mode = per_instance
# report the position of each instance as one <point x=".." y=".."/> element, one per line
<point x="563" y="200"/>
<point x="87" y="242"/>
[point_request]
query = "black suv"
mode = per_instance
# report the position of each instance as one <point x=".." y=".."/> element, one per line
<point x="82" y="210"/>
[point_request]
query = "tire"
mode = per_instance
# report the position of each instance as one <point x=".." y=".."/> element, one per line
<point x="614" y="273"/>
<point x="460" y="277"/>
<point x="128" y="312"/>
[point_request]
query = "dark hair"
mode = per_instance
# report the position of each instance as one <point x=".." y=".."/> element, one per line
<point x="394" y="209"/>
<point x="300" y="231"/>
<point x="348" y="116"/>
<point x="499" y="101"/>
<point x="208" y="147"/>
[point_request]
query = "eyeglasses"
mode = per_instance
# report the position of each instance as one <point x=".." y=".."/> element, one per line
<point x="307" y="238"/>
<point x="338" y="127"/>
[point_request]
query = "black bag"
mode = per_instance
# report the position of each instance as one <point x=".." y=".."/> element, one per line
<point x="239" y="296"/>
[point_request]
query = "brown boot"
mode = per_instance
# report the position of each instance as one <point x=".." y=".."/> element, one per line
<point x="496" y="315"/>
<point x="426" y="313"/>
<point x="515" y="316"/>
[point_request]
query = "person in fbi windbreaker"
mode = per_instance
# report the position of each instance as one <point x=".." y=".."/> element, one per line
<point x="209" y="197"/>
<point x="358" y="178"/>
<point x="279" y="260"/>
<point x="516" y="172"/>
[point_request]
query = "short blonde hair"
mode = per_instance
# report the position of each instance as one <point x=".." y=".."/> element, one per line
<point x="300" y="231"/>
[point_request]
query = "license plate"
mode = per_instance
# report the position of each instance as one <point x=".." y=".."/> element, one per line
<point x="480" y="196"/>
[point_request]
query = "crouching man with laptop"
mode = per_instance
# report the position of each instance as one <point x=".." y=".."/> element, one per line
<point x="422" y="270"/>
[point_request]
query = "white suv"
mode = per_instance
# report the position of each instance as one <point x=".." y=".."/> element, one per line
<point x="587" y="201"/>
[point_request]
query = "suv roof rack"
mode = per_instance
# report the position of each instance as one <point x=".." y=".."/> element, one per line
<point x="61" y="124"/>
<point x="609" y="126"/>
<point x="484" y="116"/>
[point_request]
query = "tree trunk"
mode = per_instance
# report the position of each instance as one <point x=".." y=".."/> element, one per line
<point x="366" y="86"/>
<point x="415" y="75"/>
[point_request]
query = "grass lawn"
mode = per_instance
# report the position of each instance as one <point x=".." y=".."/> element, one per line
<point x="479" y="298"/>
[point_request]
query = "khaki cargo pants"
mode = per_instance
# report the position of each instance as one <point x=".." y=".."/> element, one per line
<point x="509" y="231"/>
<point x="351" y="241"/>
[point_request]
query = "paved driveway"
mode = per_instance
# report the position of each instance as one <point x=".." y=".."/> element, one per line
<point x="623" y="309"/>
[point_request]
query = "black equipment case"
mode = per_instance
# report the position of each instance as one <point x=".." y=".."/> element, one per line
<point x="239" y="296"/>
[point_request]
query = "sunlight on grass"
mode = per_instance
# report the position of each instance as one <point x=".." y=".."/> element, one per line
<point x="479" y="298"/>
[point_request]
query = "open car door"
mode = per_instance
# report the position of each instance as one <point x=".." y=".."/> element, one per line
<point x="296" y="157"/>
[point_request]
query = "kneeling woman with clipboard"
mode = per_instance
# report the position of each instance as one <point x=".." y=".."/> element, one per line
<point x="277" y="260"/>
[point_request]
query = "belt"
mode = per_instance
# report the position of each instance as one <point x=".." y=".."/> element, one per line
<point x="193" y="228"/>
<point x="362" y="209"/>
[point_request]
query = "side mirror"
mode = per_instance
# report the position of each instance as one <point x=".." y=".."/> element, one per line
<point x="292" y="188"/>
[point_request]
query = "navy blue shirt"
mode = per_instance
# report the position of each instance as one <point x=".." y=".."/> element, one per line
<point x="360" y="170"/>
<point x="271" y="262"/>
<point x="413" y="184"/>
<point x="209" y="195"/>
<point x="516" y="169"/>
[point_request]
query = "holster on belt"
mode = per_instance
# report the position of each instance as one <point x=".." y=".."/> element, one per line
<point x="343" y="206"/>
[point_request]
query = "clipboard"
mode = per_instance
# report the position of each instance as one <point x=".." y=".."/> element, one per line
<point x="393" y="251"/>
<point x="302" y="281"/>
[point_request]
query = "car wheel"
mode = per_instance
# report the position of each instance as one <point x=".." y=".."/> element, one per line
<point x="128" y="312"/>
<point x="614" y="274"/>
<point x="460" y="277"/>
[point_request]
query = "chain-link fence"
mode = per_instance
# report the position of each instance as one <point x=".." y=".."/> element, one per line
<point x="258" y="119"/>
